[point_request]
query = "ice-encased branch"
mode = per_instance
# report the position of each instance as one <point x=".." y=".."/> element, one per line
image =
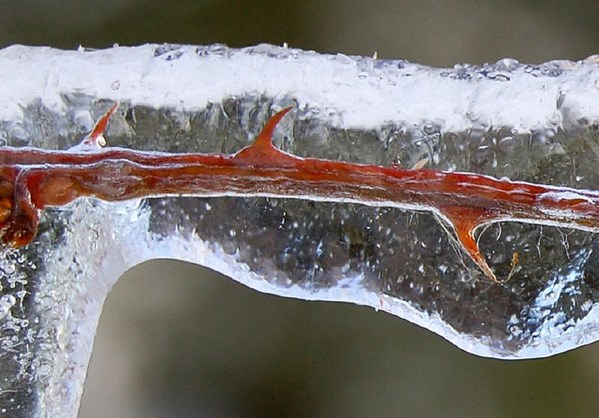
<point x="529" y="122"/>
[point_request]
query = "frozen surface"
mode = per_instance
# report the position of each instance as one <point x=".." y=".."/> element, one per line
<point x="537" y="123"/>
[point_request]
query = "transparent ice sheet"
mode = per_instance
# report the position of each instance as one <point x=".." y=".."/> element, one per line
<point x="536" y="123"/>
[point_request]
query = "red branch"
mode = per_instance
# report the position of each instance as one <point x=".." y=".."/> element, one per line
<point x="31" y="179"/>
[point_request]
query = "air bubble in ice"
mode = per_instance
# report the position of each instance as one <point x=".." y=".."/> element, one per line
<point x="6" y="303"/>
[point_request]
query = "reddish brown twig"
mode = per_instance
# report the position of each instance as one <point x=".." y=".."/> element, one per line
<point x="32" y="179"/>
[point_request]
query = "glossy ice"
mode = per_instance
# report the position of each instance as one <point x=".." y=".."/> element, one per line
<point x="530" y="123"/>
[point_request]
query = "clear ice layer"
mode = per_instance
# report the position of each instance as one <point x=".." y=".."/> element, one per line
<point x="535" y="123"/>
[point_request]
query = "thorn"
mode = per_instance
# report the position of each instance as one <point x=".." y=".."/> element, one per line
<point x="262" y="151"/>
<point x="420" y="164"/>
<point x="95" y="138"/>
<point x="465" y="222"/>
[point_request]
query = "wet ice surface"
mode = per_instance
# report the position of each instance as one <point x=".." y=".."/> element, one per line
<point x="400" y="261"/>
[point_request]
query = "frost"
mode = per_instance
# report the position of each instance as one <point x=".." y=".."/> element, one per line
<point x="507" y="120"/>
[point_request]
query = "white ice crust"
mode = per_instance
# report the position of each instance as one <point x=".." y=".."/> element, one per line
<point x="350" y="91"/>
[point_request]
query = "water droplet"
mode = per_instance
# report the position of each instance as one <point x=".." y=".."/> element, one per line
<point x="472" y="115"/>
<point x="507" y="64"/>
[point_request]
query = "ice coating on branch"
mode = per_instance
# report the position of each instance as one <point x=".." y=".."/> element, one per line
<point x="535" y="123"/>
<point x="351" y="92"/>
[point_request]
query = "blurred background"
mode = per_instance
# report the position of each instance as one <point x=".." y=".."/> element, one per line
<point x="176" y="340"/>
